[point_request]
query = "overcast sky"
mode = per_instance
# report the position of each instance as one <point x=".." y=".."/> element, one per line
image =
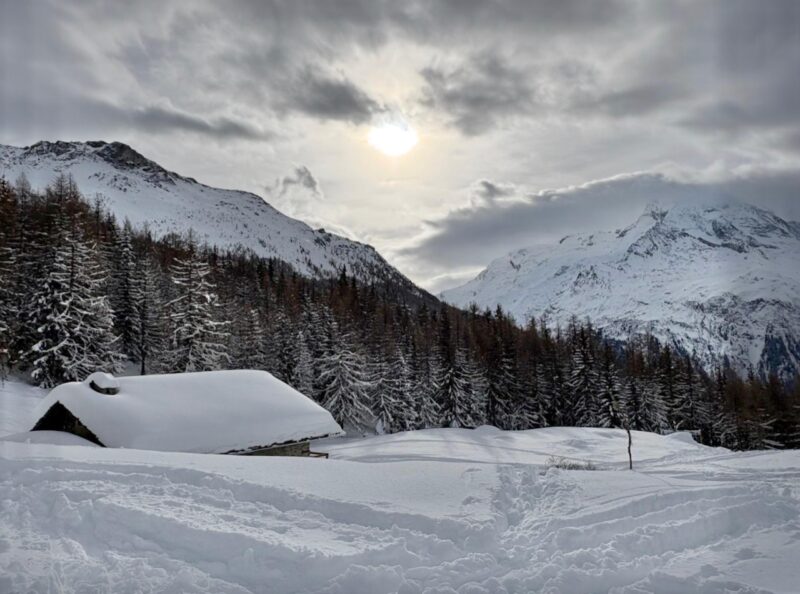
<point x="535" y="119"/>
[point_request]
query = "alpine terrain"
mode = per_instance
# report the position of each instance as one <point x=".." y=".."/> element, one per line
<point x="716" y="281"/>
<point x="135" y="188"/>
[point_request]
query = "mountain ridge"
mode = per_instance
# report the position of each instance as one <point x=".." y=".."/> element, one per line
<point x="136" y="188"/>
<point x="717" y="280"/>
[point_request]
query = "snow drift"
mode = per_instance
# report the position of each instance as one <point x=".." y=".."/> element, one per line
<point x="441" y="511"/>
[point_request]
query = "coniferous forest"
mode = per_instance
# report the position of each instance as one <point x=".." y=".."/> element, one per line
<point x="81" y="291"/>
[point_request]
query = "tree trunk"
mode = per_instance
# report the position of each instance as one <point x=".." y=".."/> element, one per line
<point x="630" y="457"/>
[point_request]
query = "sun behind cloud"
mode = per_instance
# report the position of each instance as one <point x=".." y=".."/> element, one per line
<point x="393" y="139"/>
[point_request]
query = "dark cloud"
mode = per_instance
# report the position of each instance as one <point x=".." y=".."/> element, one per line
<point x="328" y="98"/>
<point x="484" y="90"/>
<point x="79" y="116"/>
<point x="479" y="232"/>
<point x="375" y="22"/>
<point x="633" y="101"/>
<point x="559" y="90"/>
<point x="302" y="177"/>
<point x="489" y="191"/>
<point x="160" y="119"/>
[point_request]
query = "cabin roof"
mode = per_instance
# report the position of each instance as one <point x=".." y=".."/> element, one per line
<point x="204" y="412"/>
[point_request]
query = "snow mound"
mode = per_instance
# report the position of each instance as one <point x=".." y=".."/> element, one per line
<point x="48" y="437"/>
<point x="488" y="445"/>
<point x="18" y="403"/>
<point x="206" y="412"/>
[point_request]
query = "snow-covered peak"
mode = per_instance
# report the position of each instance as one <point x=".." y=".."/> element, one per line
<point x="718" y="279"/>
<point x="136" y="188"/>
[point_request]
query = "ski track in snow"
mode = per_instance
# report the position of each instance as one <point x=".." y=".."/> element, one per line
<point x="690" y="519"/>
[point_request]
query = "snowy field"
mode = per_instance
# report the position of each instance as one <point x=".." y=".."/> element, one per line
<point x="436" y="511"/>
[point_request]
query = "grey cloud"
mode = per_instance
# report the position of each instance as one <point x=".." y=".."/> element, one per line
<point x="83" y="116"/>
<point x="325" y="97"/>
<point x="481" y="92"/>
<point x="489" y="191"/>
<point x="302" y="177"/>
<point x="633" y="101"/>
<point x="375" y="22"/>
<point x="160" y="119"/>
<point x="477" y="233"/>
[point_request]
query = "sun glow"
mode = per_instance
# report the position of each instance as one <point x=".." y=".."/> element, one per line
<point x="393" y="139"/>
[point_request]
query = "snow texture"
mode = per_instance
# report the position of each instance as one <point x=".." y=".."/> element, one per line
<point x="436" y="511"/>
<point x="715" y="280"/>
<point x="206" y="412"/>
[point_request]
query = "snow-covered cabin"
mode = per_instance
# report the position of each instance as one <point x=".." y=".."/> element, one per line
<point x="216" y="412"/>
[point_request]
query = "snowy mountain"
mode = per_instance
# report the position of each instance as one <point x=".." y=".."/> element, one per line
<point x="720" y="281"/>
<point x="138" y="189"/>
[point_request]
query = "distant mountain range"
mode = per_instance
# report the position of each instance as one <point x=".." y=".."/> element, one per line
<point x="133" y="187"/>
<point x="719" y="281"/>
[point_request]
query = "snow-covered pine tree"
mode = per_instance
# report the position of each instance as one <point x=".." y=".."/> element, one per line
<point x="608" y="395"/>
<point x="8" y="309"/>
<point x="9" y="295"/>
<point x="583" y="382"/>
<point x="476" y="380"/>
<point x="74" y="324"/>
<point x="303" y="373"/>
<point x="247" y="339"/>
<point x="504" y="400"/>
<point x="283" y="347"/>
<point x="456" y="393"/>
<point x="423" y="390"/>
<point x="343" y="386"/>
<point x="147" y="330"/>
<point x="535" y="399"/>
<point x="688" y="407"/>
<point x="666" y="386"/>
<point x="198" y="341"/>
<point x="553" y="380"/>
<point x="8" y="303"/>
<point x="391" y="395"/>
<point x="725" y="425"/>
<point x="631" y="397"/>
<point x="123" y="262"/>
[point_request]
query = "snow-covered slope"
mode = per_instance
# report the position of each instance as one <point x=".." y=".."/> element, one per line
<point x="138" y="189"/>
<point x="717" y="280"/>
<point x="441" y="511"/>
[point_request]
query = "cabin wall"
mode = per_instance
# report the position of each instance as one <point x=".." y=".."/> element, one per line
<point x="301" y="448"/>
<point x="59" y="418"/>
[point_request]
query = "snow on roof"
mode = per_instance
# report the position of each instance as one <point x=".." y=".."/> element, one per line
<point x="206" y="412"/>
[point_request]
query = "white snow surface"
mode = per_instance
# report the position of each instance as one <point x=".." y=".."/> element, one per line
<point x="436" y="511"/>
<point x="716" y="279"/>
<point x="135" y="188"/>
<point x="203" y="412"/>
<point x="49" y="437"/>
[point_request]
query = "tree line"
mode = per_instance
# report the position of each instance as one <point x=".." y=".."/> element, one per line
<point x="80" y="291"/>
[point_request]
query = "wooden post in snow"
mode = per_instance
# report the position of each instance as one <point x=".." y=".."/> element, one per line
<point x="630" y="441"/>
